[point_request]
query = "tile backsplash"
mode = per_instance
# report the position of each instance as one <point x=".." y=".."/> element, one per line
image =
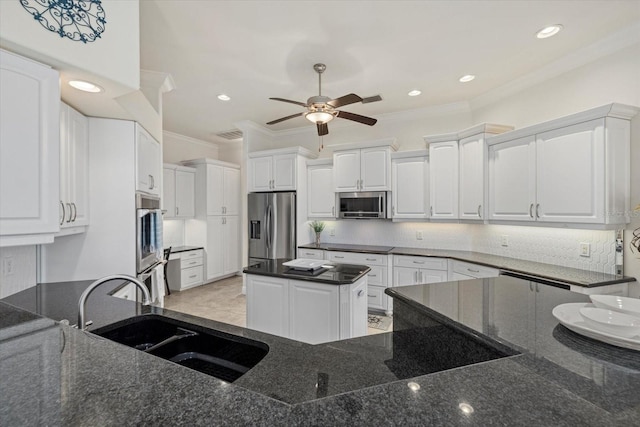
<point x="173" y="233"/>
<point x="557" y="246"/>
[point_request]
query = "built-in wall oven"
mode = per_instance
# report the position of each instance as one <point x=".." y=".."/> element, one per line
<point x="149" y="250"/>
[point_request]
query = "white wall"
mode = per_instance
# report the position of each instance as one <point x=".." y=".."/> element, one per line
<point x="176" y="148"/>
<point x="23" y="269"/>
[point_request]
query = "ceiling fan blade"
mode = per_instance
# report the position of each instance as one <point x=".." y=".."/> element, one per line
<point x="302" y="104"/>
<point x="357" y="118"/>
<point x="323" y="129"/>
<point x="352" y="98"/>
<point x="370" y="99"/>
<point x="284" y="118"/>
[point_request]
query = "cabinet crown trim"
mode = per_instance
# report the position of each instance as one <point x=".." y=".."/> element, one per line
<point x="409" y="154"/>
<point x="620" y="111"/>
<point x="320" y="162"/>
<point x="207" y="161"/>
<point x="486" y="128"/>
<point x="385" y="142"/>
<point x="177" y="167"/>
<point x="301" y="151"/>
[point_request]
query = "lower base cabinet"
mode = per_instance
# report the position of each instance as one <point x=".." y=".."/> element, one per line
<point x="306" y="311"/>
<point x="185" y="270"/>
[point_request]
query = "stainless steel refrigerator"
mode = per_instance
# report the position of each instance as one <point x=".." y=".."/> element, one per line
<point x="272" y="225"/>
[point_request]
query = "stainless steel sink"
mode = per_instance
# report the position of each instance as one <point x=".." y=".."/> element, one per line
<point x="212" y="352"/>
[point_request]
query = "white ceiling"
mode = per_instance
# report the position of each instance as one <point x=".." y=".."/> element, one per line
<point x="253" y="50"/>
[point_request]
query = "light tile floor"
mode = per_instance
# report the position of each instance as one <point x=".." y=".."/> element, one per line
<point x="222" y="301"/>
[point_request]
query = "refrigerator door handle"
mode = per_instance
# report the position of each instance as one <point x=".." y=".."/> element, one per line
<point x="268" y="227"/>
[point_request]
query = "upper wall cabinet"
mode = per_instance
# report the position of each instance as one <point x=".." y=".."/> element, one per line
<point x="573" y="170"/>
<point x="443" y="180"/>
<point x="321" y="200"/>
<point x="29" y="151"/>
<point x="217" y="187"/>
<point x="178" y="191"/>
<point x="148" y="155"/>
<point x="410" y="179"/>
<point x="275" y="170"/>
<point x="74" y="170"/>
<point x="363" y="169"/>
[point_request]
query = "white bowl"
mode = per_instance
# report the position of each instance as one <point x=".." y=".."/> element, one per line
<point x="612" y="322"/>
<point x="621" y="304"/>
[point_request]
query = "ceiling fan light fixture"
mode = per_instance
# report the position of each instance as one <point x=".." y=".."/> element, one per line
<point x="549" y="31"/>
<point x="319" y="117"/>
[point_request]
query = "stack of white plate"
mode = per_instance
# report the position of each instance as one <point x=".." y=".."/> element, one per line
<point x="611" y="319"/>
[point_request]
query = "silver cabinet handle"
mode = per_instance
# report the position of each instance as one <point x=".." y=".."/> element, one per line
<point x="193" y="276"/>
<point x="75" y="212"/>
<point x="372" y="275"/>
<point x="479" y="208"/>
<point x="431" y="210"/>
<point x="360" y="292"/>
<point x="193" y="262"/>
<point x="357" y="184"/>
<point x="371" y="296"/>
<point x="472" y="270"/>
<point x="177" y="210"/>
<point x="69" y="220"/>
<point x="64" y="213"/>
<point x="362" y="184"/>
<point x="338" y="256"/>
<point x="531" y="210"/>
<point x="333" y="211"/>
<point x="418" y="262"/>
<point x="531" y="286"/>
<point x="537" y="210"/>
<point x="370" y="259"/>
<point x="415" y="276"/>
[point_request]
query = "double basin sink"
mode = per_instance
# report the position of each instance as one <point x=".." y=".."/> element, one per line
<point x="212" y="352"/>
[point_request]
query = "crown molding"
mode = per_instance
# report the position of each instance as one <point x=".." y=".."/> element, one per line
<point x="624" y="38"/>
<point x="162" y="81"/>
<point x="301" y="151"/>
<point x="207" y="161"/>
<point x="189" y="139"/>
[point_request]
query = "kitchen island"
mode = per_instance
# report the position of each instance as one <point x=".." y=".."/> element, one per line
<point x="534" y="371"/>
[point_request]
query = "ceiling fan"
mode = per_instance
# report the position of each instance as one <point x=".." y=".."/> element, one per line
<point x="322" y="109"/>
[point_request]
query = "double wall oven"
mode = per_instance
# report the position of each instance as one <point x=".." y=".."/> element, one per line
<point x="149" y="250"/>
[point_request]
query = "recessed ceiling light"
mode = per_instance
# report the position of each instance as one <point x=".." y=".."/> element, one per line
<point x="467" y="78"/>
<point x="85" y="86"/>
<point x="549" y="31"/>
<point x="414" y="92"/>
<point x="223" y="97"/>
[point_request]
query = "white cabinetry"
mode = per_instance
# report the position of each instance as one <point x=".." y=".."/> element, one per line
<point x="413" y="270"/>
<point x="310" y="253"/>
<point x="461" y="270"/>
<point x="178" y="191"/>
<point x="148" y="155"/>
<point x="74" y="171"/>
<point x="443" y="180"/>
<point x="365" y="169"/>
<point x="305" y="310"/>
<point x="320" y="190"/>
<point x="217" y="225"/>
<point x="275" y="170"/>
<point x="377" y="279"/>
<point x="29" y="151"/>
<point x="188" y="270"/>
<point x="410" y="189"/>
<point x="571" y="170"/>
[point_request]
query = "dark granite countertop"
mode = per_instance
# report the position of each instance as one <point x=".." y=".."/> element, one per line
<point x="330" y="273"/>
<point x="522" y="268"/>
<point x="176" y="249"/>
<point x="560" y="378"/>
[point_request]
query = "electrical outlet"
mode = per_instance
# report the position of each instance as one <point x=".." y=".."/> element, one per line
<point x="585" y="249"/>
<point x="504" y="240"/>
<point x="7" y="266"/>
<point x="418" y="235"/>
<point x="332" y="232"/>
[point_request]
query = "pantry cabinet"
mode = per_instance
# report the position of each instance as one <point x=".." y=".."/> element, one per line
<point x="222" y="245"/>
<point x="74" y="171"/>
<point x="148" y="155"/>
<point x="410" y="189"/>
<point x="321" y="199"/>
<point x="29" y="151"/>
<point x="366" y="169"/>
<point x="573" y="170"/>
<point x="178" y="191"/>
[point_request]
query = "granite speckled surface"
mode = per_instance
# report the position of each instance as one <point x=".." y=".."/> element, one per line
<point x="176" y="249"/>
<point x="522" y="268"/>
<point x="558" y="378"/>
<point x="330" y="273"/>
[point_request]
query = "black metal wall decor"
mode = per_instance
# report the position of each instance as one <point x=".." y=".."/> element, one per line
<point x="78" y="20"/>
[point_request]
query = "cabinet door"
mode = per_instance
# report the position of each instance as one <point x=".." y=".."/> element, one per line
<point x="570" y="179"/>
<point x="472" y="160"/>
<point x="405" y="276"/>
<point x="169" y="192"/>
<point x="426" y="275"/>
<point x="260" y="174"/>
<point x="346" y="170"/>
<point x="268" y="305"/>
<point x="147" y="162"/>
<point x="78" y="167"/>
<point x="215" y="190"/>
<point x="215" y="247"/>
<point x="512" y="176"/>
<point x="65" y="210"/>
<point x="284" y="172"/>
<point x="185" y="194"/>
<point x="357" y="310"/>
<point x="231" y="191"/>
<point x="443" y="180"/>
<point x="374" y="169"/>
<point x="321" y="198"/>
<point x="230" y="237"/>
<point x="409" y="193"/>
<point x="29" y="151"/>
<point x="314" y="309"/>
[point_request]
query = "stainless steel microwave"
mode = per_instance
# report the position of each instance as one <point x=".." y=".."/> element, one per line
<point x="362" y="205"/>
